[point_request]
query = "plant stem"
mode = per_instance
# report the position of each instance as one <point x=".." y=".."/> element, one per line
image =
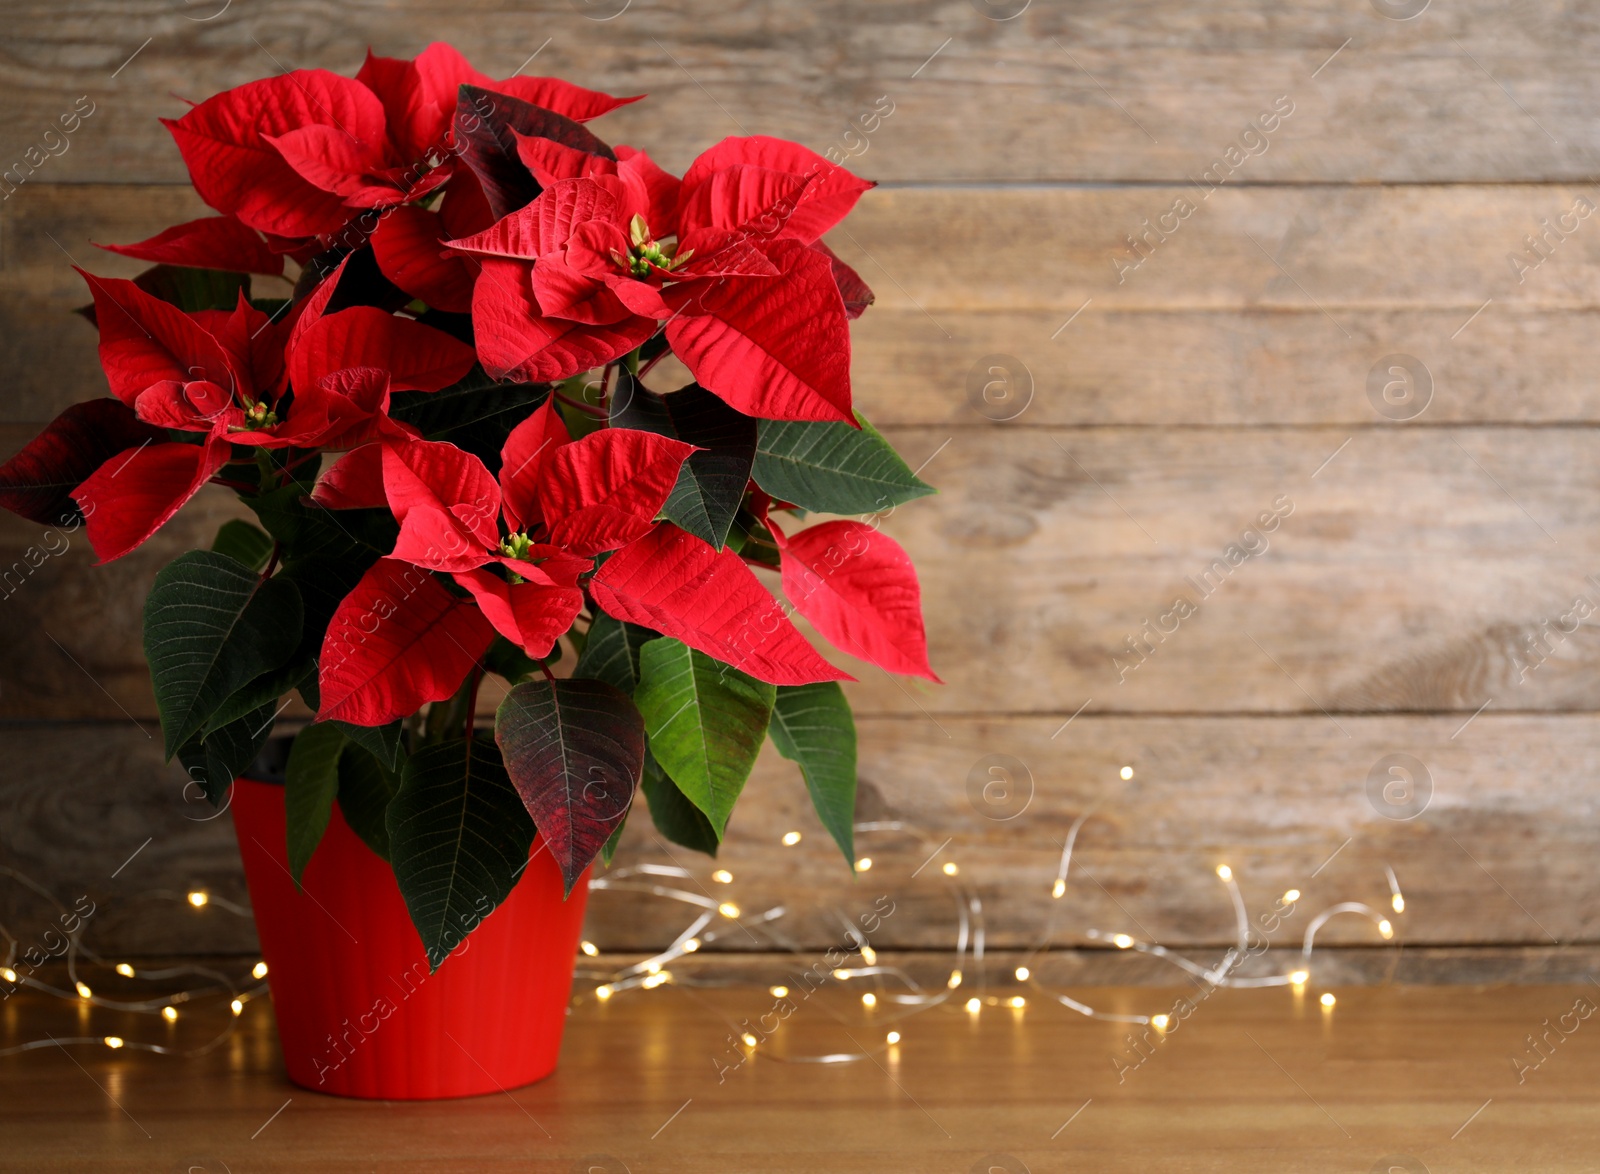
<point x="545" y="669"/>
<point x="472" y="703"/>
<point x="597" y="413"/>
<point x="272" y="563"/>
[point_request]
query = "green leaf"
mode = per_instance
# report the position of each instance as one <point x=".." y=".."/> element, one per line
<point x="459" y="839"/>
<point x="812" y="725"/>
<point x="265" y="690"/>
<point x="674" y="816"/>
<point x="382" y="742"/>
<point x="194" y="289"/>
<point x="609" y="848"/>
<point x="365" y="791"/>
<point x="226" y="753"/>
<point x="251" y="545"/>
<point x="833" y="468"/>
<point x="311" y="782"/>
<point x="355" y="538"/>
<point x="507" y="660"/>
<point x="712" y="481"/>
<point x="611" y="653"/>
<point x="706" y="722"/>
<point x="210" y="627"/>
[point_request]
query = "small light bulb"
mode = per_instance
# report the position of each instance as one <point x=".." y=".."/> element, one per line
<point x="83" y="990"/>
<point x="1159" y="1022"/>
<point x="590" y="949"/>
<point x="1291" y="896"/>
<point x="1327" y="999"/>
<point x="238" y="1006"/>
<point x="125" y="970"/>
<point x="1017" y="1001"/>
<point x="170" y="1014"/>
<point x="864" y="864"/>
<point x="841" y="973"/>
<point x="690" y="946"/>
<point x="258" y="971"/>
<point x="653" y="967"/>
<point x="955" y="979"/>
<point x="869" y="955"/>
<point x="1386" y="929"/>
<point x="113" y="1042"/>
<point x="1022" y="973"/>
<point x="778" y="992"/>
<point x="1299" y="977"/>
<point x="790" y="839"/>
<point x="722" y="876"/>
<point x="602" y="992"/>
<point x="1225" y="872"/>
<point x="973" y="1005"/>
<point x="951" y="869"/>
<point x="893" y="1037"/>
<point x="749" y="1040"/>
<point x="8" y="974"/>
<point x="1126" y="773"/>
<point x="1399" y="903"/>
<point x="655" y="980"/>
<point x="1122" y="941"/>
<point x="199" y="899"/>
<point x="869" y="1000"/>
<point x="728" y="909"/>
<point x="1058" y="889"/>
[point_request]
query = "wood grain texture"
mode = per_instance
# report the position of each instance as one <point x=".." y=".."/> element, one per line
<point x="1500" y="855"/>
<point x="1247" y="1082"/>
<point x="1136" y="91"/>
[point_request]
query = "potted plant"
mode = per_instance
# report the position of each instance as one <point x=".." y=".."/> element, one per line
<point x="455" y="466"/>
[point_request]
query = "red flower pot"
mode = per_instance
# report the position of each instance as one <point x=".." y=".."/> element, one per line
<point x="359" y="1014"/>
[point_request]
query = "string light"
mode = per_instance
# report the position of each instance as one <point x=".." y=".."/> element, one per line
<point x="589" y="948"/>
<point x="199" y="899"/>
<point x="973" y="1005"/>
<point x="125" y="970"/>
<point x="1386" y="929"/>
<point x="8" y="974"/>
<point x="749" y="1040"/>
<point x="869" y="1000"/>
<point x="955" y="980"/>
<point x="1298" y="977"/>
<point x="258" y="971"/>
<point x="1159" y="1022"/>
<point x="1122" y="941"/>
<point x="1017" y="1002"/>
<point x="237" y="1007"/>
<point x="83" y="990"/>
<point x="114" y="1042"/>
<point x="729" y="910"/>
<point x="951" y="869"/>
<point x="1291" y="896"/>
<point x="691" y="945"/>
<point x="722" y="876"/>
<point x="1022" y="973"/>
<point x="869" y="955"/>
<point x="1059" y="889"/>
<point x="1126" y="773"/>
<point x="892" y="1038"/>
<point x="1225" y="872"/>
<point x="170" y="1014"/>
<point x="1398" y="902"/>
<point x="790" y="839"/>
<point x="778" y="992"/>
<point x="602" y="992"/>
<point x="864" y="864"/>
<point x="1327" y="999"/>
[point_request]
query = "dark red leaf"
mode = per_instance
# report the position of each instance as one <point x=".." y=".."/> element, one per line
<point x="484" y="126"/>
<point x="575" y="752"/>
<point x="38" y="482"/>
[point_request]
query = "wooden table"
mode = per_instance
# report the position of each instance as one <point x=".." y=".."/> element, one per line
<point x="1251" y="1080"/>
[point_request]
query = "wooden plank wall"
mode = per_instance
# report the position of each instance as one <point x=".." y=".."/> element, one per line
<point x="1405" y="602"/>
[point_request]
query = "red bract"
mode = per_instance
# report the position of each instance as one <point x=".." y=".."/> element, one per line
<point x="678" y="585"/>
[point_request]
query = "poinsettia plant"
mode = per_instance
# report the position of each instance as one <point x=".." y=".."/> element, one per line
<point x="457" y="468"/>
